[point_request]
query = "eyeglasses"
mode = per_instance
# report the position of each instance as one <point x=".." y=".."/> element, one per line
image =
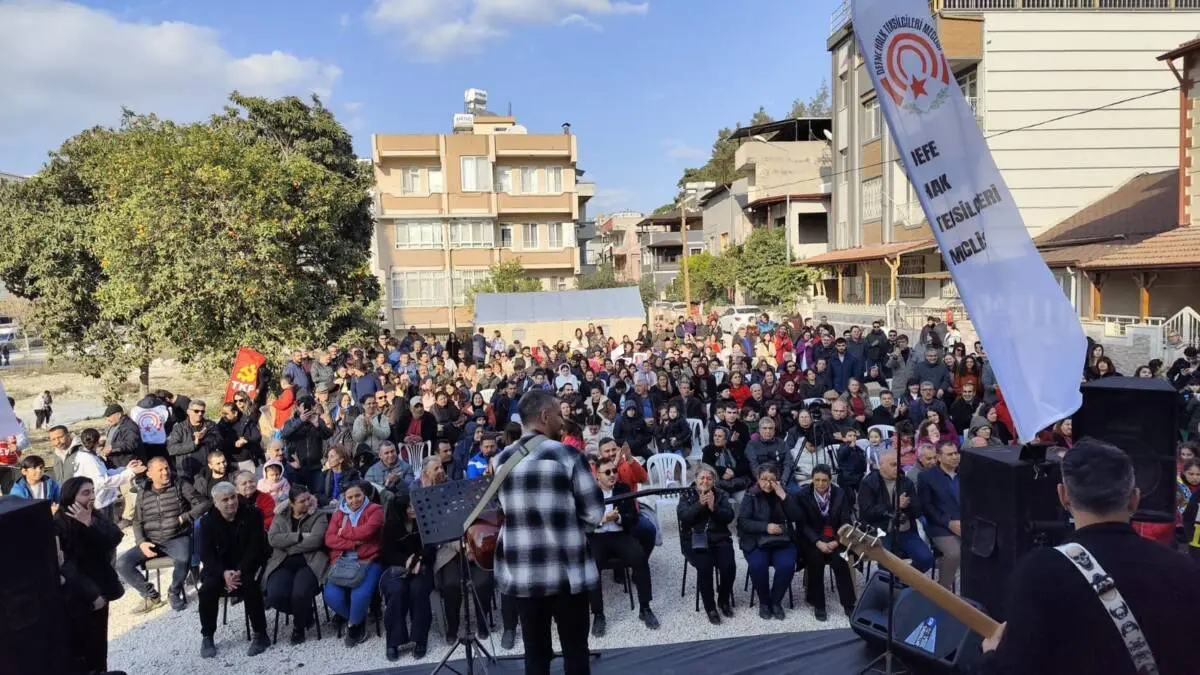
<point x="609" y="472"/>
<point x="196" y="410"/>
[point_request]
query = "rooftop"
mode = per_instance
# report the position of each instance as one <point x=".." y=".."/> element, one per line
<point x="789" y="130"/>
<point x="864" y="253"/>
<point x="1146" y="205"/>
<point x="1179" y="247"/>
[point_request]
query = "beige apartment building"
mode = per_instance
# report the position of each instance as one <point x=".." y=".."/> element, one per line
<point x="449" y="206"/>
<point x="1044" y="78"/>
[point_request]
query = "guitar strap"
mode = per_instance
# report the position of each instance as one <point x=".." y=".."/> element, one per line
<point x="1114" y="604"/>
<point x="513" y="460"/>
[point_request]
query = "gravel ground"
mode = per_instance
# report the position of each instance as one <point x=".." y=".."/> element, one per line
<point x="165" y="641"/>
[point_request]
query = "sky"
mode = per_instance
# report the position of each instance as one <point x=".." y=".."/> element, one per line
<point x="645" y="84"/>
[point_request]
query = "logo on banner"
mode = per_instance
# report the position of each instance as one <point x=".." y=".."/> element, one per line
<point x="911" y="67"/>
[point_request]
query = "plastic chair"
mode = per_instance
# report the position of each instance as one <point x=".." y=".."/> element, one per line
<point x="160" y="563"/>
<point x="667" y="470"/>
<point x="488" y="394"/>
<point x="287" y="618"/>
<point x="863" y="444"/>
<point x="886" y="430"/>
<point x="417" y="451"/>
<point x="874" y="402"/>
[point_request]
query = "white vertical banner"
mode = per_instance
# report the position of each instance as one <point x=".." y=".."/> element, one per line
<point x="1032" y="335"/>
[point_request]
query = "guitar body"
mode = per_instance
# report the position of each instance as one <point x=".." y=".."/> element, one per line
<point x="483" y="536"/>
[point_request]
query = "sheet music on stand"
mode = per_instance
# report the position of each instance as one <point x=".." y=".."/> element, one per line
<point x="442" y="509"/>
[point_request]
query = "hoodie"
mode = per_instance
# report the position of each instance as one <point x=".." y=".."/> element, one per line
<point x="278" y="489"/>
<point x="977" y="423"/>
<point x="632" y="430"/>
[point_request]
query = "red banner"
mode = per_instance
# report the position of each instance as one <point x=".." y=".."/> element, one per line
<point x="244" y="375"/>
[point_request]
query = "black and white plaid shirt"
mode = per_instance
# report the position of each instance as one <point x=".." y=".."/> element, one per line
<point x="551" y="502"/>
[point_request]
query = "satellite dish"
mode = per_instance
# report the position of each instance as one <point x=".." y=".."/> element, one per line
<point x="828" y="135"/>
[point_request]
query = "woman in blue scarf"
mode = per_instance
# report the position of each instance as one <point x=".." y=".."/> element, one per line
<point x="354" y="533"/>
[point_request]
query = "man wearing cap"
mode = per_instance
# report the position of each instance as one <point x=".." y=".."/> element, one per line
<point x="124" y="441"/>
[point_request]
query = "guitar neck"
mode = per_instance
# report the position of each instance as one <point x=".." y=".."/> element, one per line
<point x="973" y="618"/>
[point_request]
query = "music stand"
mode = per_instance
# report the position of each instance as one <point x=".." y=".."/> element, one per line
<point x="441" y="513"/>
<point x="888" y="663"/>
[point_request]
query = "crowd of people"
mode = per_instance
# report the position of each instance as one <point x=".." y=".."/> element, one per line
<point x="298" y="494"/>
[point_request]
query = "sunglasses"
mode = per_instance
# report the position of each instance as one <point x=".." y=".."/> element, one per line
<point x="196" y="410"/>
<point x="608" y="472"/>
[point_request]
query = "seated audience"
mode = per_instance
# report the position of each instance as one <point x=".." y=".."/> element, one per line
<point x="764" y="523"/>
<point x="876" y="502"/>
<point x="163" y="517"/>
<point x="478" y="464"/>
<point x="613" y="540"/>
<point x="705" y="514"/>
<point x="109" y="482"/>
<point x="733" y="471"/>
<point x="248" y="492"/>
<point x="273" y="481"/>
<point x="631" y="473"/>
<point x="336" y="476"/>
<point x="769" y="449"/>
<point x="231" y="553"/>
<point x="937" y="490"/>
<point x="298" y="559"/>
<point x="390" y="469"/>
<point x="217" y="471"/>
<point x="87" y="541"/>
<point x="822" y="508"/>
<point x="355" y="533"/>
<point x="407" y="579"/>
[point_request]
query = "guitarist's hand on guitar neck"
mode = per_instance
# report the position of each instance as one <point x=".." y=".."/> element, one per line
<point x="993" y="641"/>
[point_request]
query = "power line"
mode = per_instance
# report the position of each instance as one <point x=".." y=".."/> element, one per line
<point x="997" y="134"/>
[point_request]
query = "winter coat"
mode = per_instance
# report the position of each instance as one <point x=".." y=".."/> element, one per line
<point x="125" y="442"/>
<point x="229" y="433"/>
<point x="189" y="457"/>
<point x="811" y="526"/>
<point x="758" y="510"/>
<point x="157" y="513"/>
<point x="632" y="430"/>
<point x="369" y="531"/>
<point x="87" y="554"/>
<point x="693" y="517"/>
<point x="306" y="442"/>
<point x="759" y="452"/>
<point x="306" y="538"/>
<point x="231" y="545"/>
<point x="21" y="489"/>
<point x="902" y="369"/>
<point x="875" y="506"/>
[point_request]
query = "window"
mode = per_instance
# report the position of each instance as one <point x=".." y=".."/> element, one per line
<point x="472" y="233"/>
<point x="872" y="120"/>
<point x="410" y="181"/>
<point x="556" y="238"/>
<point x="465" y="280"/>
<point x="504" y="179"/>
<point x="419" y="289"/>
<point x="907" y="287"/>
<point x="844" y="94"/>
<point x="419" y="234"/>
<point x="969" y="84"/>
<point x="436" y="186"/>
<point x="872" y="196"/>
<point x="529" y="236"/>
<point x="558" y="283"/>
<point x="843" y="166"/>
<point x="476" y="174"/>
<point x="529" y="181"/>
<point x="506" y="240"/>
<point x="554" y="182"/>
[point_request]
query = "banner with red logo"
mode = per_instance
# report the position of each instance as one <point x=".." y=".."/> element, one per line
<point x="1032" y="334"/>
<point x="244" y="376"/>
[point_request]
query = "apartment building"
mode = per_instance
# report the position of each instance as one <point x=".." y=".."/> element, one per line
<point x="618" y="245"/>
<point x="1044" y="78"/>
<point x="661" y="242"/>
<point x="786" y="167"/>
<point x="449" y="206"/>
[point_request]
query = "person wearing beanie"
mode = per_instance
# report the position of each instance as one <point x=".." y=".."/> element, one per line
<point x="982" y="428"/>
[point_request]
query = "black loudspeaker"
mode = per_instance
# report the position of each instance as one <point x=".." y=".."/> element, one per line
<point x="32" y="620"/>
<point x="1009" y="506"/>
<point x="1140" y="416"/>
<point x="926" y="638"/>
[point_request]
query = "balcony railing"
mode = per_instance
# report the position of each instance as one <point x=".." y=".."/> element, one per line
<point x="841" y="14"/>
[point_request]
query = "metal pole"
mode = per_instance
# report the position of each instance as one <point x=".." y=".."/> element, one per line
<point x="787" y="226"/>
<point x="687" y="278"/>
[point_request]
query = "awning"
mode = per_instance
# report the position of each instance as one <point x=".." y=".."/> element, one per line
<point x="780" y="199"/>
<point x="1178" y="248"/>
<point x="866" y="253"/>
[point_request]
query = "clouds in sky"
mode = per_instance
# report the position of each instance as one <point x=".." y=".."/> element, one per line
<point x="438" y="30"/>
<point x="65" y="67"/>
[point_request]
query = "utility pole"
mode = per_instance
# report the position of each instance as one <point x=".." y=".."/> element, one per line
<point x="687" y="278"/>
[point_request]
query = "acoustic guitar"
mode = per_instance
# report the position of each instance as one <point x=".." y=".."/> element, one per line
<point x="863" y="545"/>
<point x="484" y="533"/>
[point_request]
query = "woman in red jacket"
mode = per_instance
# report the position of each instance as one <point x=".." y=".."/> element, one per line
<point x="354" y="532"/>
<point x="738" y="390"/>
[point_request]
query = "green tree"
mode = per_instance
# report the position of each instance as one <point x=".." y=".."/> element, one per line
<point x="711" y="277"/>
<point x="505" y="277"/>
<point x="817" y="106"/>
<point x="603" y="277"/>
<point x="647" y="289"/>
<point x="252" y="228"/>
<point x="761" y="116"/>
<point x="764" y="270"/>
<point x="665" y="208"/>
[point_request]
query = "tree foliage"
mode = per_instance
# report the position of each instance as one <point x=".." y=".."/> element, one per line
<point x="761" y="116"/>
<point x="505" y="277"/>
<point x="764" y="270"/>
<point x="712" y="277"/>
<point x="252" y="228"/>
<point x="603" y="277"/>
<point x="665" y="208"/>
<point x="817" y="106"/>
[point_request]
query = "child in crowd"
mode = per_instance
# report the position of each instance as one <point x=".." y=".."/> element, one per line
<point x="273" y="481"/>
<point x="1187" y="483"/>
<point x="906" y="446"/>
<point x="34" y="483"/>
<point x="876" y="446"/>
<point x="851" y="464"/>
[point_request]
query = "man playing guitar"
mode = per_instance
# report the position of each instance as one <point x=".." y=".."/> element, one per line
<point x="551" y="502"/>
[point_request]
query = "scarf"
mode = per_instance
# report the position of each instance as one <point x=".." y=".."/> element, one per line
<point x="353" y="516"/>
<point x="823" y="502"/>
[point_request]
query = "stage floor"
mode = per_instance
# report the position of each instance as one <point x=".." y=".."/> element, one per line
<point x="828" y="652"/>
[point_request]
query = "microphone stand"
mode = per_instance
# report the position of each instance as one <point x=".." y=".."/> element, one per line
<point x="888" y="663"/>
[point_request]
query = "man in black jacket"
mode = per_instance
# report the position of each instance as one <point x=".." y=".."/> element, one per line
<point x="1058" y="623"/>
<point x="304" y="437"/>
<point x="876" y="507"/>
<point x="887" y="413"/>
<point x="614" y="540"/>
<point x="769" y="448"/>
<point x="241" y="441"/>
<point x="232" y="550"/>
<point x="690" y="407"/>
<point x="162" y="526"/>
<point x="123" y="438"/>
<point x="191" y="441"/>
<point x="877" y="346"/>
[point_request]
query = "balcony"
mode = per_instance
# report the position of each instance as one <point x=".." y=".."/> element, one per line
<point x="534" y="145"/>
<point x="515" y="204"/>
<point x="406" y="145"/>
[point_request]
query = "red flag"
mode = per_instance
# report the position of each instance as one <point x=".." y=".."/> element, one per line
<point x="244" y="375"/>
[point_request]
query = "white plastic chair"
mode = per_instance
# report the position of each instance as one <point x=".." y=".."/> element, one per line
<point x="699" y="438"/>
<point x="863" y="444"/>
<point x="666" y="469"/>
<point x="874" y="402"/>
<point x="810" y="401"/>
<point x="886" y="430"/>
<point x="417" y="452"/>
<point x="488" y="394"/>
